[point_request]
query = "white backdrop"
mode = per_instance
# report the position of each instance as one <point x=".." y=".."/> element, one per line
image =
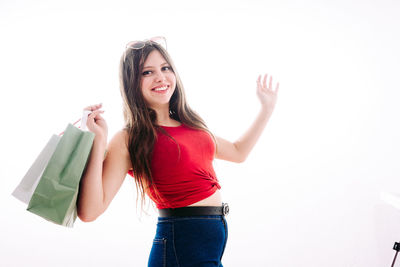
<point x="309" y="193"/>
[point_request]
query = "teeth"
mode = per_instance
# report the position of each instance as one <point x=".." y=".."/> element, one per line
<point x="161" y="88"/>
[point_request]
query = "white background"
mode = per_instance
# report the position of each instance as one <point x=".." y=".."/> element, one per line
<point x="309" y="193"/>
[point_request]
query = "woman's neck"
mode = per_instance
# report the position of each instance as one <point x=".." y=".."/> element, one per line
<point x="164" y="119"/>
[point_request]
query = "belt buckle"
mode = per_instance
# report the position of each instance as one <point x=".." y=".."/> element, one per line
<point x="225" y="209"/>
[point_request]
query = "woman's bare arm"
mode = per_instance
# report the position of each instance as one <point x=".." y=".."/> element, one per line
<point x="104" y="175"/>
<point x="239" y="150"/>
<point x="103" y="178"/>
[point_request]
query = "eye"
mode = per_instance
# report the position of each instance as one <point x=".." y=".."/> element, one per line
<point x="166" y="68"/>
<point x="146" y="73"/>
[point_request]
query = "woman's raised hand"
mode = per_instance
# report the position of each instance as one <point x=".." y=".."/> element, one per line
<point x="96" y="123"/>
<point x="266" y="93"/>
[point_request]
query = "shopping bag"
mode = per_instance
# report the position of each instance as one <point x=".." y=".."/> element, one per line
<point x="28" y="184"/>
<point x="55" y="195"/>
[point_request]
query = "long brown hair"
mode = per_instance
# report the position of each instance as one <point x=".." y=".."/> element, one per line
<point x="140" y="120"/>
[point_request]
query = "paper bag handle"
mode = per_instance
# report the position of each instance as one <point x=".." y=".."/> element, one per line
<point x="83" y="121"/>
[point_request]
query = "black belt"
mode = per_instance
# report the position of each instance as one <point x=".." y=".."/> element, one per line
<point x="195" y="211"/>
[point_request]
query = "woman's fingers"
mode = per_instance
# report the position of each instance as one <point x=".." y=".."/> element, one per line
<point x="93" y="107"/>
<point x="95" y="115"/>
<point x="265" y="80"/>
<point x="265" y="84"/>
<point x="270" y="83"/>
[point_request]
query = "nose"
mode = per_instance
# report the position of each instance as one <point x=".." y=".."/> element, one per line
<point x="160" y="76"/>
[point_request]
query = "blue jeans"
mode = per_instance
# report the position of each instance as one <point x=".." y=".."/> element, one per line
<point x="189" y="241"/>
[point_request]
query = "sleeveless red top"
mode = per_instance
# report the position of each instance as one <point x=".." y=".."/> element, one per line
<point x="182" y="167"/>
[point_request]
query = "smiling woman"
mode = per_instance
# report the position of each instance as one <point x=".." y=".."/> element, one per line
<point x="158" y="81"/>
<point x="169" y="151"/>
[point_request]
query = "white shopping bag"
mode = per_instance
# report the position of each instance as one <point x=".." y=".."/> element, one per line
<point x="31" y="179"/>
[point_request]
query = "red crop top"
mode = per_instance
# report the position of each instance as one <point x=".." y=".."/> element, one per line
<point x="183" y="175"/>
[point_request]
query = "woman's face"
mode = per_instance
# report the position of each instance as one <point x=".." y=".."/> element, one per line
<point x="158" y="81"/>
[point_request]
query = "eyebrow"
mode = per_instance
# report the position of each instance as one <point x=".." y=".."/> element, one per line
<point x="165" y="63"/>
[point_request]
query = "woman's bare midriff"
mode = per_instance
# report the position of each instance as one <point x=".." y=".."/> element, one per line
<point x="213" y="200"/>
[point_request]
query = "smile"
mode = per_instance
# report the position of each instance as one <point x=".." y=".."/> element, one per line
<point x="161" y="89"/>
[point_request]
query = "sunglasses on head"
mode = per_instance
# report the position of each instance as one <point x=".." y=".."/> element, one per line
<point x="140" y="44"/>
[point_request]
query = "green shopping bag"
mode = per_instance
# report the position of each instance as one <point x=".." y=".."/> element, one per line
<point x="56" y="193"/>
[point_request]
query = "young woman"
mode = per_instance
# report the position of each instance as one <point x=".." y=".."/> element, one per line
<point x="168" y="150"/>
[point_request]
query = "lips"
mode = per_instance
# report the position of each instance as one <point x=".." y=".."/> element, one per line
<point x="160" y="88"/>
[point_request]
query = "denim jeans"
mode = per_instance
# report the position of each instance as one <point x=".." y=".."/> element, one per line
<point x="189" y="241"/>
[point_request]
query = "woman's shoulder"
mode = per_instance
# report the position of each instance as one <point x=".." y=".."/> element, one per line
<point x="120" y="141"/>
<point x="117" y="149"/>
